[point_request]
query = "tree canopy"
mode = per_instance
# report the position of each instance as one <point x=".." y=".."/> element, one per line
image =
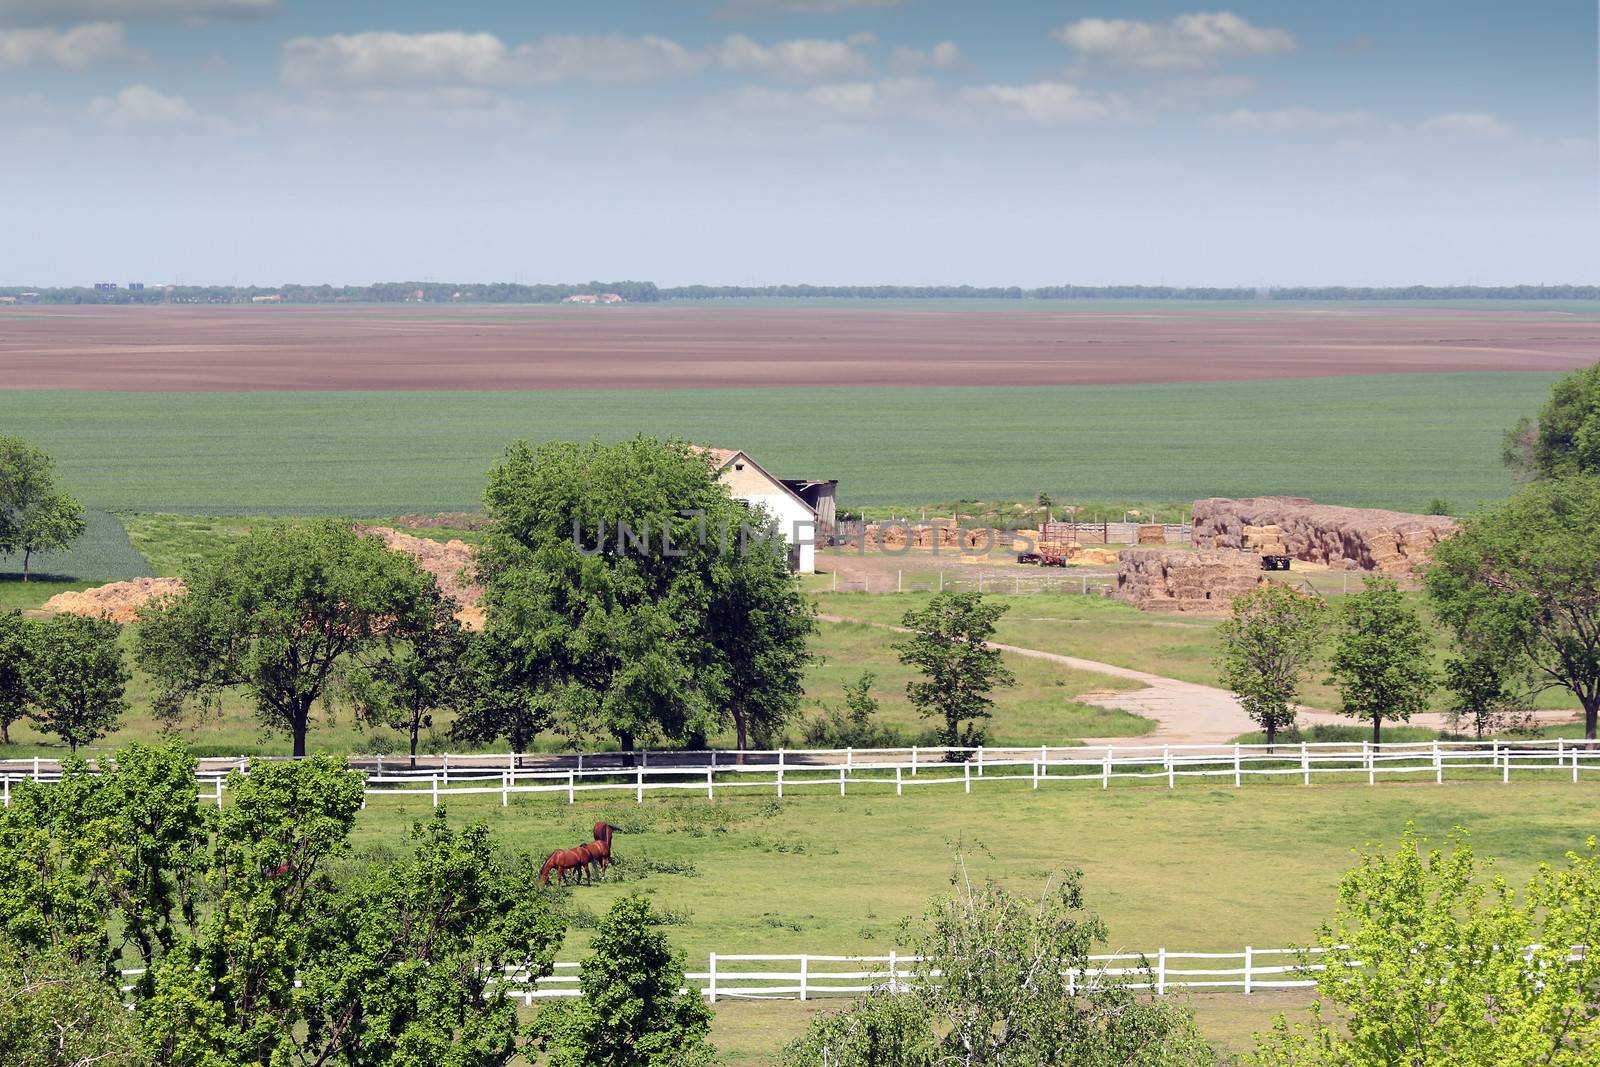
<point x="1523" y="580"/>
<point x="35" y="516"/>
<point x="631" y="596"/>
<point x="1565" y="438"/>
<point x="1382" y="658"/>
<point x="277" y="616"/>
<point x="76" y="677"/>
<point x="949" y="644"/>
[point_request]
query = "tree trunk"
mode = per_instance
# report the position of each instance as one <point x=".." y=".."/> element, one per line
<point x="1591" y="712"/>
<point x="625" y="742"/>
<point x="25" y="555"/>
<point x="299" y="724"/>
<point x="5" y="733"/>
<point x="1377" y="727"/>
<point x="1272" y="734"/>
<point x="739" y="725"/>
<point x="413" y="749"/>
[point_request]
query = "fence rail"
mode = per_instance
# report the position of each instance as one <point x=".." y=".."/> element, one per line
<point x="808" y="976"/>
<point x="810" y="771"/>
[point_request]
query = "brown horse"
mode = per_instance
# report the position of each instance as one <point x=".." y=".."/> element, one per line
<point x="563" y="860"/>
<point x="603" y="832"/>
<point x="598" y="855"/>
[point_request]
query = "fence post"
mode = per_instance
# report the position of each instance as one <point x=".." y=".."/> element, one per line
<point x="1166" y="758"/>
<point x="1574" y="764"/>
<point x="713" y="759"/>
<point x="710" y="788"/>
<point x="435" y="780"/>
<point x="511" y="764"/>
<point x="638" y="794"/>
<point x="1161" y="973"/>
<point x="644" y="758"/>
<point x="1305" y="762"/>
<point x="380" y="765"/>
<point x="1438" y="765"/>
<point x="580" y="761"/>
<point x="849" y="757"/>
<point x="1505" y="765"/>
<point x="893" y="985"/>
<point x="219" y="795"/>
<point x="805" y="968"/>
<point x="447" y="768"/>
<point x="36" y="768"/>
<point x="1238" y="771"/>
<point x="1249" y="985"/>
<point x="913" y="761"/>
<point x="8" y="790"/>
<point x="966" y="774"/>
<point x="572" y="783"/>
<point x="897" y="770"/>
<point x="841" y="781"/>
<point x="711" y="983"/>
<point x="505" y="788"/>
<point x="980" y="761"/>
<point x="1366" y="754"/>
<point x="1105" y="770"/>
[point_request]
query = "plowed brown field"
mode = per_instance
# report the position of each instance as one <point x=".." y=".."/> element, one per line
<point x="180" y="348"/>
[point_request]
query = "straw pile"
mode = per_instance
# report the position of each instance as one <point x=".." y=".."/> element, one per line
<point x="944" y="533"/>
<point x="450" y="563"/>
<point x="1354" y="538"/>
<point x="1099" y="556"/>
<point x="1176" y="581"/>
<point x="1151" y="533"/>
<point x="118" y="601"/>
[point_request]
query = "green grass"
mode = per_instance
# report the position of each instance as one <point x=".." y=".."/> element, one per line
<point x="1392" y="441"/>
<point x="102" y="554"/>
<point x="1199" y="867"/>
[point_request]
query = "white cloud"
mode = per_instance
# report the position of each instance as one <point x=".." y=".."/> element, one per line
<point x="78" y="47"/>
<point x="140" y="105"/>
<point x="942" y="56"/>
<point x="1466" y="125"/>
<point x="455" y="58"/>
<point x="1291" y="120"/>
<point x="460" y="107"/>
<point x="1046" y="103"/>
<point x="137" y="10"/>
<point x="1185" y="42"/>
<point x="796" y="60"/>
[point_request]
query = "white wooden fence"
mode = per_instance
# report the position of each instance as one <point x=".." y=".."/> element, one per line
<point x="785" y="772"/>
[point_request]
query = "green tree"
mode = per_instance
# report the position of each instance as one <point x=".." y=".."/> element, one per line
<point x="633" y="1012"/>
<point x="1438" y="506"/>
<point x="759" y="627"/>
<point x="76" y="677"/>
<point x="1001" y="980"/>
<point x="34" y="515"/>
<point x="420" y="675"/>
<point x="1382" y="657"/>
<point x="1486" y="685"/>
<point x="502" y="695"/>
<point x="1520" y="580"/>
<point x="14" y="654"/>
<point x="55" y="1012"/>
<point x="949" y="644"/>
<point x="604" y="566"/>
<point x="1428" y="963"/>
<point x="278" y="616"/>
<point x="1565" y="439"/>
<point x="1267" y="647"/>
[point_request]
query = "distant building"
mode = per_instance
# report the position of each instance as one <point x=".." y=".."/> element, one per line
<point x="8" y="300"/>
<point x="136" y="287"/>
<point x="594" y="298"/>
<point x="798" y="518"/>
<point x="269" y="298"/>
<point x="105" y="287"/>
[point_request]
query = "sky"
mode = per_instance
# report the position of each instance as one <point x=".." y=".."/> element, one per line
<point x="783" y="141"/>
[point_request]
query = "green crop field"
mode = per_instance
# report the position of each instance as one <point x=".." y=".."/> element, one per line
<point x="102" y="554"/>
<point x="1394" y="441"/>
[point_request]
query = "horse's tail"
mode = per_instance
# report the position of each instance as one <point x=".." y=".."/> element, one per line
<point x="549" y="863"/>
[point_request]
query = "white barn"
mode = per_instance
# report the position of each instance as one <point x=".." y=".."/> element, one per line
<point x="748" y="481"/>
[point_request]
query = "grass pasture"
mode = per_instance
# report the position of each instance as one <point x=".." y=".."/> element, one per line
<point x="1391" y="440"/>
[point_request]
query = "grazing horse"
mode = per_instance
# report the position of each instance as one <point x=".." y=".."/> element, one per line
<point x="561" y="861"/>
<point x="598" y="856"/>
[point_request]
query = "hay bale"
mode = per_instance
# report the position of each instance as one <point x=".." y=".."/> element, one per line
<point x="1151" y="533"/>
<point x="1390" y="541"/>
<point x="1203" y="582"/>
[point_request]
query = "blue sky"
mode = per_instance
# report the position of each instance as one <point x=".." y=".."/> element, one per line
<point x="762" y="141"/>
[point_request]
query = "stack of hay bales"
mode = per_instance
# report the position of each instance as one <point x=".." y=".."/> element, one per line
<point x="1099" y="556"/>
<point x="1355" y="538"/>
<point x="945" y="533"/>
<point x="1265" y="540"/>
<point x="1152" y="533"/>
<point x="1172" y="581"/>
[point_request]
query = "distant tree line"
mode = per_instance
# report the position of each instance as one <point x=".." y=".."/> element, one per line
<point x="648" y="292"/>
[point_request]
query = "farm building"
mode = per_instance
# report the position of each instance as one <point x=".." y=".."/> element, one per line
<point x="803" y="507"/>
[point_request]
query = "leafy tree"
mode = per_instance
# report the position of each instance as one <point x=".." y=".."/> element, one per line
<point x="949" y="645"/>
<point x="1486" y="686"/>
<point x="634" y="1012"/>
<point x="34" y="515"/>
<point x="855" y="725"/>
<point x="1565" y="440"/>
<point x="278" y="616"/>
<point x="500" y="699"/>
<point x="759" y="626"/>
<point x="1438" y="506"/>
<point x="55" y="1012"/>
<point x="1002" y="980"/>
<point x="1520" y="579"/>
<point x="1267" y="646"/>
<point x="1382" y="657"/>
<point x="422" y="674"/>
<point x="604" y="567"/>
<point x="100" y="863"/>
<point x="1426" y="963"/>
<point x="14" y="654"/>
<point x="76" y="677"/>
